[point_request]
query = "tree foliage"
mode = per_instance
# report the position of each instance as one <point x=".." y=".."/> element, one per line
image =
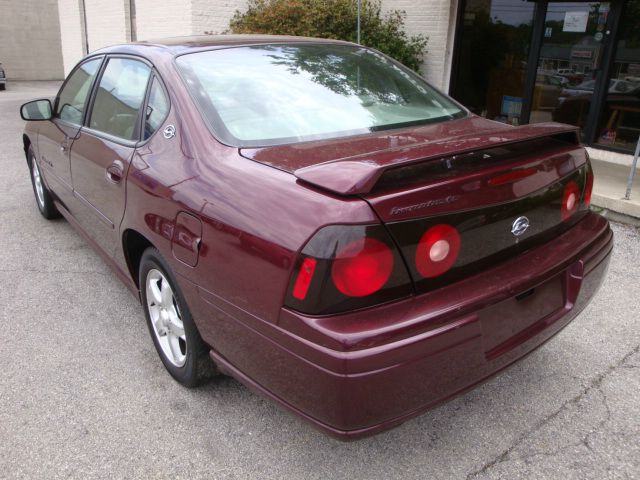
<point x="335" y="19"/>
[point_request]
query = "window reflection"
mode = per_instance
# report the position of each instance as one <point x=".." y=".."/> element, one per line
<point x="157" y="109"/>
<point x="494" y="46"/>
<point x="270" y="94"/>
<point x="569" y="57"/>
<point x="119" y="97"/>
<point x="619" y="124"/>
<point x="73" y="97"/>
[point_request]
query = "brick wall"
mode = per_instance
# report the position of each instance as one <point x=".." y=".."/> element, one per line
<point x="107" y="22"/>
<point x="169" y="19"/>
<point x="71" y="33"/>
<point x="179" y="17"/>
<point x="436" y="20"/>
<point x="30" y="40"/>
<point x="210" y="17"/>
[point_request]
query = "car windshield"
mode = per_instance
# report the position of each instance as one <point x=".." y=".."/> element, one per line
<point x="274" y="94"/>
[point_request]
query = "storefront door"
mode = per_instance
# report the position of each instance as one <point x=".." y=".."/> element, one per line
<point x="493" y="40"/>
<point x="569" y="63"/>
<point x="618" y="121"/>
<point x="538" y="61"/>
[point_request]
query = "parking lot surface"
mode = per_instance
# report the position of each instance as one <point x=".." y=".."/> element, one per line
<point x="84" y="395"/>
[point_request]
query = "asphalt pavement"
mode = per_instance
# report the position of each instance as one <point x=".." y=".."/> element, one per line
<point x="83" y="394"/>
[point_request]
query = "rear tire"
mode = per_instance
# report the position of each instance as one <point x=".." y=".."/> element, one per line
<point x="44" y="200"/>
<point x="173" y="331"/>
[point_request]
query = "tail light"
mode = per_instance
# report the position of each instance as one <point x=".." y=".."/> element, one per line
<point x="588" y="188"/>
<point x="362" y="267"/>
<point x="570" y="200"/>
<point x="305" y="275"/>
<point x="437" y="250"/>
<point x="345" y="267"/>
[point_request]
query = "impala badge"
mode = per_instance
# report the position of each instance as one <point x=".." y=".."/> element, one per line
<point x="169" y="131"/>
<point x="520" y="226"/>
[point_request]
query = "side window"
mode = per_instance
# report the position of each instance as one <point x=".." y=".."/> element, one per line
<point x="157" y="109"/>
<point x="73" y="97"/>
<point x="119" y="97"/>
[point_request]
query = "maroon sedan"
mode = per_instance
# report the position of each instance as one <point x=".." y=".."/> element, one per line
<point x="317" y="220"/>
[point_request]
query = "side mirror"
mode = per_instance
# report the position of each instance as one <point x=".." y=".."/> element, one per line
<point x="36" y="110"/>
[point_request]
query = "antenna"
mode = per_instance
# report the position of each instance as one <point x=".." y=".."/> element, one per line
<point x="358" y="28"/>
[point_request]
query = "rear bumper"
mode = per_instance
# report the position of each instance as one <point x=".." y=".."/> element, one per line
<point x="359" y="373"/>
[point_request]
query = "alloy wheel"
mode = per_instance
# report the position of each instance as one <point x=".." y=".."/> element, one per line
<point x="165" y="318"/>
<point x="37" y="181"/>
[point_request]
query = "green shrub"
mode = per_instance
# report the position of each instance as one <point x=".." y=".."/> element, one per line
<point x="334" y="19"/>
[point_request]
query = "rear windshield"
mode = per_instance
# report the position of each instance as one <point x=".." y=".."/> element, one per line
<point x="274" y="94"/>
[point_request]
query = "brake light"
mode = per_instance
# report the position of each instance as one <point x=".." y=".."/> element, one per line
<point x="437" y="250"/>
<point x="511" y="177"/>
<point x="362" y="267"/>
<point x="570" y="200"/>
<point x="588" y="188"/>
<point x="305" y="275"/>
<point x="346" y="267"/>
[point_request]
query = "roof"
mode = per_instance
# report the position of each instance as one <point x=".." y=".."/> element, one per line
<point x="178" y="45"/>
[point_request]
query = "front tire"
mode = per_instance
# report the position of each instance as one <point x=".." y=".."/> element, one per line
<point x="174" y="333"/>
<point x="44" y="200"/>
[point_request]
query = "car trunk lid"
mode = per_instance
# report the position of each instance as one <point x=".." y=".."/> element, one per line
<point x="502" y="189"/>
<point x="353" y="165"/>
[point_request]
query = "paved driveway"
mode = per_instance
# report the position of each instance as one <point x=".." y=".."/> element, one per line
<point x="83" y="394"/>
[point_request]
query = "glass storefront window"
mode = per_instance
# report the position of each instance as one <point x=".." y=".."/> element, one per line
<point x="493" y="46"/>
<point x="582" y="75"/>
<point x="619" y="122"/>
<point x="570" y="53"/>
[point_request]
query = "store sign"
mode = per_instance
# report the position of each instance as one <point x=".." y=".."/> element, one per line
<point x="511" y="106"/>
<point x="575" y="21"/>
<point x="582" y="53"/>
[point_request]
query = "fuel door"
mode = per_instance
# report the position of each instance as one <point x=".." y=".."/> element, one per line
<point x="187" y="235"/>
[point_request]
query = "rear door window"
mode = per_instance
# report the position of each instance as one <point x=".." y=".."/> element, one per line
<point x="157" y="109"/>
<point x="120" y="95"/>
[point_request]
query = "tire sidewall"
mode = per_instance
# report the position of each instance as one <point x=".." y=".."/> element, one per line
<point x="48" y="210"/>
<point x="32" y="162"/>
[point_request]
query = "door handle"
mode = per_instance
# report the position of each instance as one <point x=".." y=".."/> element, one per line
<point x="115" y="171"/>
<point x="64" y="145"/>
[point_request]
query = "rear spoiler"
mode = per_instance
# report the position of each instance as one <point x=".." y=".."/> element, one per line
<point x="358" y="175"/>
